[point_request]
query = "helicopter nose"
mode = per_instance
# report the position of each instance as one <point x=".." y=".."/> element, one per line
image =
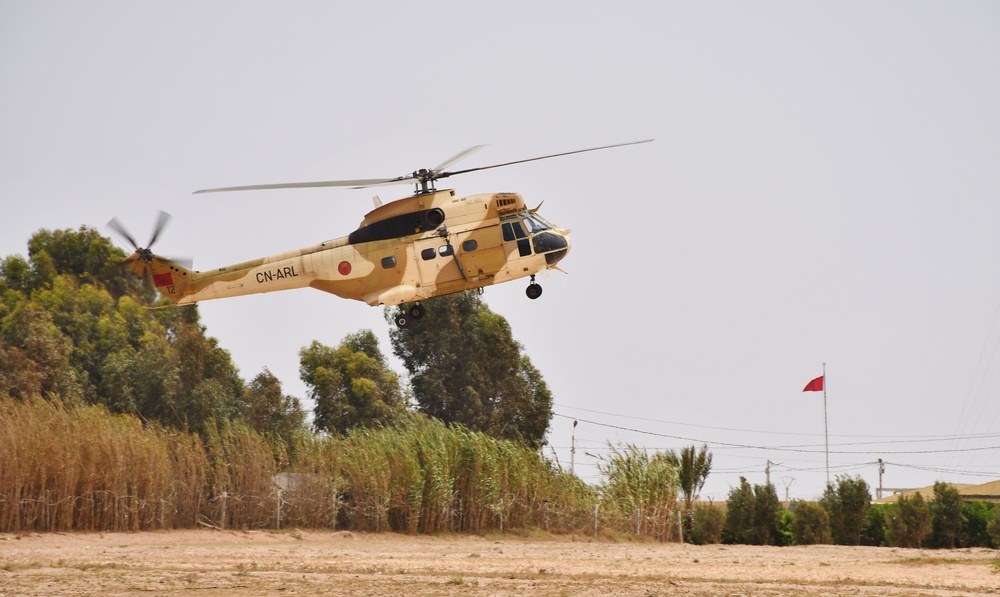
<point x="552" y="244"/>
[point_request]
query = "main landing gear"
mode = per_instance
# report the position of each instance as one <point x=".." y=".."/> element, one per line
<point x="534" y="290"/>
<point x="406" y="316"/>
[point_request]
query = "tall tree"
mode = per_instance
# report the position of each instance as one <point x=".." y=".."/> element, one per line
<point x="847" y="503"/>
<point x="693" y="466"/>
<point x="269" y="411"/>
<point x="78" y="252"/>
<point x="351" y="385"/>
<point x="39" y="354"/>
<point x="811" y="524"/>
<point x="946" y="512"/>
<point x="752" y="514"/>
<point x="908" y="522"/>
<point x="740" y="506"/>
<point x="465" y="367"/>
<point x="75" y="338"/>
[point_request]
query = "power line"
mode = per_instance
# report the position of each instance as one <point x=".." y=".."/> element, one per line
<point x="913" y="438"/>
<point x="800" y="449"/>
<point x="931" y="469"/>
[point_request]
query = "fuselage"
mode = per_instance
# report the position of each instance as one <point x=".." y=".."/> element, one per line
<point x="414" y="248"/>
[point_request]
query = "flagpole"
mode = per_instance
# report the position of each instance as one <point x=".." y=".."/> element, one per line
<point x="826" y="427"/>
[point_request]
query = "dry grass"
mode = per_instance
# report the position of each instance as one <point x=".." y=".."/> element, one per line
<point x="82" y="469"/>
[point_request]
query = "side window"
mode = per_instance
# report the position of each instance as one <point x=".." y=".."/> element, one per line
<point x="388" y="262"/>
<point x="523" y="247"/>
<point x="508" y="233"/>
<point x="444" y="250"/>
<point x="470" y="245"/>
<point x="513" y="230"/>
<point x="428" y="254"/>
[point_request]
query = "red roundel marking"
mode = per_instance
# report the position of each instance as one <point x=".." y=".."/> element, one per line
<point x="344" y="268"/>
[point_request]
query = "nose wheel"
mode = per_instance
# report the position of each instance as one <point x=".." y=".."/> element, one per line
<point x="534" y="290"/>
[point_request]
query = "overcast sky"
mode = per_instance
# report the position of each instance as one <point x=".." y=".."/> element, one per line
<point x="824" y="188"/>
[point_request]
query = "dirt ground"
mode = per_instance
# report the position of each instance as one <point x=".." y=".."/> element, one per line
<point x="297" y="562"/>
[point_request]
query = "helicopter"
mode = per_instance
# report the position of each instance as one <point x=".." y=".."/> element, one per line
<point x="428" y="244"/>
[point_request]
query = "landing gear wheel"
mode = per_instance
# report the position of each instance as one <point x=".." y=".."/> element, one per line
<point x="533" y="291"/>
<point x="402" y="320"/>
<point x="416" y="311"/>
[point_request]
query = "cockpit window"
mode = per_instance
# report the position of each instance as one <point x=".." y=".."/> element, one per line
<point x="535" y="224"/>
<point x="512" y="230"/>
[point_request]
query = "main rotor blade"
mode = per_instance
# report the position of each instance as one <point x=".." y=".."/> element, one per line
<point x="544" y="157"/>
<point x="365" y="182"/>
<point x="117" y="228"/>
<point x="458" y="156"/>
<point x="185" y="262"/>
<point x="162" y="219"/>
<point x="423" y="176"/>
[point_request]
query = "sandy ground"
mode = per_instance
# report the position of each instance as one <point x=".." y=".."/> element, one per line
<point x="294" y="562"/>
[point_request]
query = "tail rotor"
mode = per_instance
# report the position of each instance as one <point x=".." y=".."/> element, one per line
<point x="145" y="254"/>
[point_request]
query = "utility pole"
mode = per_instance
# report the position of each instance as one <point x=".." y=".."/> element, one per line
<point x="572" y="450"/>
<point x="767" y="472"/>
<point x="881" y="470"/>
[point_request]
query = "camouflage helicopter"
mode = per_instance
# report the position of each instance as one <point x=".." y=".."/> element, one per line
<point x="429" y="244"/>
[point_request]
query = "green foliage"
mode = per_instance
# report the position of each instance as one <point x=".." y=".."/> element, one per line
<point x="739" y="526"/>
<point x="752" y="514"/>
<point x="908" y="522"/>
<point x="810" y="524"/>
<point x="693" y="467"/>
<point x="351" y="385"/>
<point x="270" y="412"/>
<point x="73" y="326"/>
<point x="976" y="518"/>
<point x="846" y="504"/>
<point x="946" y="515"/>
<point x="38" y="355"/>
<point x="784" y="535"/>
<point x="465" y="367"/>
<point x="873" y="530"/>
<point x="993" y="528"/>
<point x="79" y="252"/>
<point x="16" y="273"/>
<point x="767" y="514"/>
<point x="706" y="527"/>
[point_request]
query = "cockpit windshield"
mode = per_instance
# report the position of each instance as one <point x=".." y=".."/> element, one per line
<point x="534" y="223"/>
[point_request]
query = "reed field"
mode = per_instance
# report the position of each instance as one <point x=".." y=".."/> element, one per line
<point x="81" y="468"/>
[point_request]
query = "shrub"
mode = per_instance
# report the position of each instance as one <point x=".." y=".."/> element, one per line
<point x="783" y="535"/>
<point x="752" y="514"/>
<point x="993" y="528"/>
<point x="810" y="524"/>
<point x="846" y="504"/>
<point x="946" y="516"/>
<point x="707" y="526"/>
<point x="908" y="522"/>
<point x="873" y="531"/>
<point x="976" y="518"/>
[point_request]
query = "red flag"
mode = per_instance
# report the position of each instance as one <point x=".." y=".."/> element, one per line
<point x="164" y="279"/>
<point x="815" y="385"/>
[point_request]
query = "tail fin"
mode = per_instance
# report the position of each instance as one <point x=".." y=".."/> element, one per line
<point x="169" y="278"/>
